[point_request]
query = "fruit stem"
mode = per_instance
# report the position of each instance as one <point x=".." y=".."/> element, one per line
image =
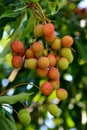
<point x="4" y="92"/>
<point x="37" y="11"/>
<point x="13" y="75"/>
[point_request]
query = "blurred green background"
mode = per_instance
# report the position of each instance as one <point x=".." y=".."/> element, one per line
<point x="69" y="18"/>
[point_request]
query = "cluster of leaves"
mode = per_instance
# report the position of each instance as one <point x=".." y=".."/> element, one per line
<point x="17" y="20"/>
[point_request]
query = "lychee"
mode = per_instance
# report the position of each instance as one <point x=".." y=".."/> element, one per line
<point x="43" y="62"/>
<point x="61" y="93"/>
<point x="50" y="38"/>
<point x="38" y="54"/>
<point x="31" y="63"/>
<point x="55" y="83"/>
<point x="17" y="61"/>
<point x="53" y="73"/>
<point x="53" y="109"/>
<point x="47" y="29"/>
<point x="67" y="41"/>
<point x="52" y="59"/>
<point x="37" y="46"/>
<point x="29" y="53"/>
<point x="17" y="46"/>
<point x="63" y="63"/>
<point x="66" y="52"/>
<point x="24" y="117"/>
<point x="38" y="30"/>
<point x="46" y="88"/>
<point x="56" y="44"/>
<point x="42" y="72"/>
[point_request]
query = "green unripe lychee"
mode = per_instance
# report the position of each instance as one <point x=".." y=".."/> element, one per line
<point x="66" y="52"/>
<point x="56" y="45"/>
<point x="53" y="109"/>
<point x="24" y="117"/>
<point x="63" y="63"/>
<point x="29" y="53"/>
<point x="38" y="30"/>
<point x="31" y="63"/>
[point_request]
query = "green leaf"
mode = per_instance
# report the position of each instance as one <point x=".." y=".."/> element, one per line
<point x="29" y="26"/>
<point x="9" y="13"/>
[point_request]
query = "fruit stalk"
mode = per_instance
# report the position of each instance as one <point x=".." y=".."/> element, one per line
<point x="13" y="75"/>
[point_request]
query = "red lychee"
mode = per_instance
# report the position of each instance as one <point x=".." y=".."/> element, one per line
<point x="17" y="46"/>
<point x="52" y="59"/>
<point x="42" y="72"/>
<point x="53" y="73"/>
<point x="46" y="88"/>
<point x="17" y="61"/>
<point x="48" y="29"/>
<point x="43" y="62"/>
<point x="67" y="41"/>
<point x="37" y="46"/>
<point x="50" y="38"/>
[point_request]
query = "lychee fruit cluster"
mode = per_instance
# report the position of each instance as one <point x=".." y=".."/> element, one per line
<point x="47" y="57"/>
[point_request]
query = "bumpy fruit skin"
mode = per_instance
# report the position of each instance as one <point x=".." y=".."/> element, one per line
<point x="66" y="52"/>
<point x="47" y="29"/>
<point x="56" y="45"/>
<point x="50" y="38"/>
<point x="67" y="41"/>
<point x="46" y="88"/>
<point x="29" y="53"/>
<point x="38" y="54"/>
<point x="52" y="60"/>
<point x="53" y="73"/>
<point x="31" y="63"/>
<point x="55" y="83"/>
<point x="37" y="47"/>
<point x="61" y="94"/>
<point x="17" y="46"/>
<point x="38" y="30"/>
<point x="24" y="117"/>
<point x="53" y="109"/>
<point x="42" y="72"/>
<point x="17" y="61"/>
<point x="63" y="63"/>
<point x="43" y="62"/>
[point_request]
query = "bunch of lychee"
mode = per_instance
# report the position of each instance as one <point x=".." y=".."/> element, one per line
<point x="46" y="56"/>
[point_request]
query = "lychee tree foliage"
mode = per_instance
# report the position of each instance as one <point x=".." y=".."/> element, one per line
<point x="41" y="48"/>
